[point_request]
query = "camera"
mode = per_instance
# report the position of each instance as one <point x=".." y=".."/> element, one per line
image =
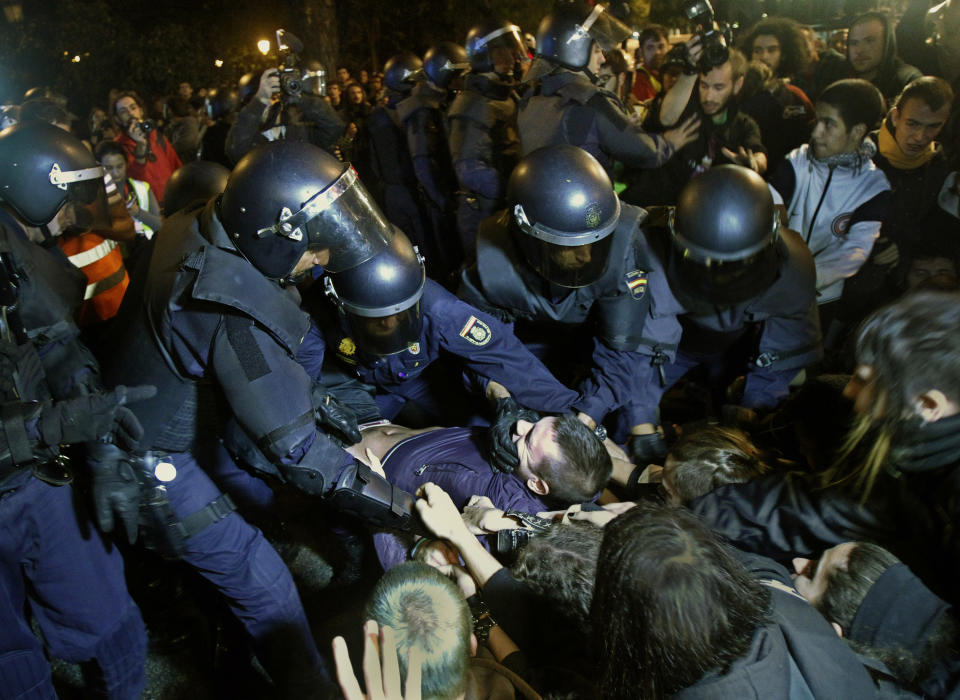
<point x="716" y="42"/>
<point x="146" y="126"/>
<point x="291" y="76"/>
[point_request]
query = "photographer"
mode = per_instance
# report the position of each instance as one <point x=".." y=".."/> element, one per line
<point x="274" y="114"/>
<point x="150" y="157"/>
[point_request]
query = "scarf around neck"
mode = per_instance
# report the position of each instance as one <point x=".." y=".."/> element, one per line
<point x="890" y="149"/>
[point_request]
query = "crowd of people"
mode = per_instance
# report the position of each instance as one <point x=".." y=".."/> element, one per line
<point x="636" y="358"/>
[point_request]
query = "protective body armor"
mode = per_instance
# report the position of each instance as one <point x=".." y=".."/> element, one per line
<point x="422" y="115"/>
<point x="502" y="282"/>
<point x="193" y="264"/>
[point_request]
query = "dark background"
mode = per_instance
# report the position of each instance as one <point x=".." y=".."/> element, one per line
<point x="152" y="46"/>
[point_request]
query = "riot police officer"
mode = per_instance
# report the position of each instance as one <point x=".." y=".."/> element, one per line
<point x="482" y="124"/>
<point x="219" y="330"/>
<point x="395" y="326"/>
<point x="72" y="580"/>
<point x="423" y="114"/>
<point x="560" y="255"/>
<point x="565" y="104"/>
<point x="729" y="289"/>
<point x="389" y="157"/>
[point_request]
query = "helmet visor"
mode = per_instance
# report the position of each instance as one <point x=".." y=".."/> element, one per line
<point x="505" y="47"/>
<point x="605" y="29"/>
<point x="345" y="219"/>
<point x="724" y="283"/>
<point x="569" y="266"/>
<point x="386" y="335"/>
<point x="86" y="208"/>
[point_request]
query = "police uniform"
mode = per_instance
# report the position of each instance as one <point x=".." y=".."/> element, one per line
<point x="487" y="348"/>
<point x="484" y="147"/>
<point x="72" y="580"/>
<point x="565" y="107"/>
<point x="423" y="117"/>
<point x="549" y="317"/>
<point x="780" y="327"/>
<point x="212" y="333"/>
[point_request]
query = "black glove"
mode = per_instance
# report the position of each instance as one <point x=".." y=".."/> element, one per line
<point x="648" y="449"/>
<point x="503" y="451"/>
<point x="95" y="417"/>
<point x="116" y="490"/>
<point x="340" y="419"/>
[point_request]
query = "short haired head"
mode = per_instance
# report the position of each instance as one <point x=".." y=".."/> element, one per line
<point x="653" y="31"/>
<point x="720" y="84"/>
<point x="580" y="468"/>
<point x="848" y="582"/>
<point x="935" y="92"/>
<point x="794" y="51"/>
<point x="671" y="603"/>
<point x="857" y="101"/>
<point x="426" y="610"/>
<point x="707" y="459"/>
<point x="561" y="566"/>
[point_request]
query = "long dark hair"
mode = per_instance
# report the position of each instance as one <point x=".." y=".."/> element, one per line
<point x="671" y="603"/>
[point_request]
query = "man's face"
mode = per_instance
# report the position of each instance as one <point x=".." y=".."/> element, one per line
<point x="917" y="125"/>
<point x="309" y="260"/>
<point x="597" y="59"/>
<point x="830" y="136"/>
<point x="128" y="110"/>
<point x="766" y="49"/>
<point x="653" y="51"/>
<point x="717" y="88"/>
<point x="535" y="443"/>
<point x="865" y="47"/>
<point x="922" y="269"/>
<point x="355" y="94"/>
<point x="364" y="76"/>
<point x="343" y="75"/>
<point x="383" y="326"/>
<point x="504" y="59"/>
<point x="116" y="165"/>
<point x="334" y="91"/>
<point x="811" y="576"/>
<point x="185" y="90"/>
<point x="571" y="257"/>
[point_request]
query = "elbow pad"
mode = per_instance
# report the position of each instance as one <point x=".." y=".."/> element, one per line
<point x="366" y="494"/>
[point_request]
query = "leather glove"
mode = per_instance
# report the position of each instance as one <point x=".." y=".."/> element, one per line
<point x="116" y="490"/>
<point x="503" y="451"/>
<point x="648" y="449"/>
<point x="340" y="419"/>
<point x="95" y="417"/>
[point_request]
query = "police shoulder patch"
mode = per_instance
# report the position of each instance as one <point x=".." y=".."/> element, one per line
<point x="346" y="350"/>
<point x="476" y="331"/>
<point x="637" y="283"/>
<point x="414" y="349"/>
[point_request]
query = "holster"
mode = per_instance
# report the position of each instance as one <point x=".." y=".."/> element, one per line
<point x="366" y="494"/>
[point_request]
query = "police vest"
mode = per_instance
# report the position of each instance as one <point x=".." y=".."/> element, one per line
<point x="141" y="190"/>
<point x="619" y="295"/>
<point x="189" y="269"/>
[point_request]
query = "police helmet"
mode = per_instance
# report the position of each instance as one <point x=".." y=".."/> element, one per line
<point x="379" y="299"/>
<point x="563" y="210"/>
<point x="399" y="71"/>
<point x="286" y="197"/>
<point x="444" y="62"/>
<point x="247" y="87"/>
<point x="43" y="168"/>
<point x="725" y="237"/>
<point x="566" y="35"/>
<point x="196" y="181"/>
<point x="221" y="101"/>
<point x="490" y="37"/>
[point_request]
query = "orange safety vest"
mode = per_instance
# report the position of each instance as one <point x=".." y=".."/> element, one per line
<point x="101" y="261"/>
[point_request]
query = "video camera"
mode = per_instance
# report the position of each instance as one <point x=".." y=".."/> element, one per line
<point x="715" y="41"/>
<point x="289" y="48"/>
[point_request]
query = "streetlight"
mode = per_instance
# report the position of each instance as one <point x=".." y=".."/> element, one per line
<point x="75" y="59"/>
<point x="264" y="46"/>
<point x="218" y="63"/>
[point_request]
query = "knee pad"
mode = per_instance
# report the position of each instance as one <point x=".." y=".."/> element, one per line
<point x="25" y="675"/>
<point x="117" y="669"/>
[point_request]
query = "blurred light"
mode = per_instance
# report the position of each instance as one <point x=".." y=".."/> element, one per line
<point x="577" y="199"/>
<point x="75" y="59"/>
<point x="13" y="13"/>
<point x="264" y="46"/>
<point x="218" y="63"/>
<point x="66" y="53"/>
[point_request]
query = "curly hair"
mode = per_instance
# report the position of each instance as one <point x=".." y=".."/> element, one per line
<point x="794" y="50"/>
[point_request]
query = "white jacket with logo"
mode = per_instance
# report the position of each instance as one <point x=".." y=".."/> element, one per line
<point x="836" y="209"/>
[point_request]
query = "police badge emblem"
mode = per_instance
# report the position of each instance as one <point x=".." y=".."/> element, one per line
<point x="637" y="283"/>
<point x="476" y="331"/>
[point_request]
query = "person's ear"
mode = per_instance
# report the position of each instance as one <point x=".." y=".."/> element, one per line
<point x="838" y="629"/>
<point x="894" y="117"/>
<point x="933" y="405"/>
<point x="858" y="132"/>
<point x="738" y="85"/>
<point x="473" y="644"/>
<point x="538" y="486"/>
